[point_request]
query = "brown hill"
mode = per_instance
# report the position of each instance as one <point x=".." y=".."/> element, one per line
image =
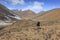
<point x="25" y="14"/>
<point x="50" y="15"/>
<point x="39" y="14"/>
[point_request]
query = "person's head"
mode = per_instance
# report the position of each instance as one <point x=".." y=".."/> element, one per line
<point x="38" y="22"/>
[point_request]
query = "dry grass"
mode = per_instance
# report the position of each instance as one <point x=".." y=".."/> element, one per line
<point x="27" y="30"/>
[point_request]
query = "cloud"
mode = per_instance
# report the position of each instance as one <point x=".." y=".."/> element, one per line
<point x="36" y="6"/>
<point x="14" y="2"/>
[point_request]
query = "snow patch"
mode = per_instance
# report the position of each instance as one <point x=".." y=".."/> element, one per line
<point x="16" y="17"/>
<point x="2" y="23"/>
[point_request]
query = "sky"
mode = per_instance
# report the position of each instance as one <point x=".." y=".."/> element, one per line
<point x="34" y="5"/>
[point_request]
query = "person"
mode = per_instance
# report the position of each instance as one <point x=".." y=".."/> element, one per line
<point x="38" y="23"/>
<point x="38" y="26"/>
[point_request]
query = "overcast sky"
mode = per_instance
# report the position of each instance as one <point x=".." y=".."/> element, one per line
<point x="34" y="5"/>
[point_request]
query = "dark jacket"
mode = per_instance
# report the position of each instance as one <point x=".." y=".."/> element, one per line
<point x="38" y="23"/>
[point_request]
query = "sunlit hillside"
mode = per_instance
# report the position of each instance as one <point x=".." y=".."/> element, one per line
<point x="50" y="15"/>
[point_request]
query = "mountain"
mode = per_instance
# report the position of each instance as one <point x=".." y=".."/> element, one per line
<point x="7" y="15"/>
<point x="27" y="14"/>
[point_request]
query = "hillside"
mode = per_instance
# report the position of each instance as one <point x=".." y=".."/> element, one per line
<point x="50" y="15"/>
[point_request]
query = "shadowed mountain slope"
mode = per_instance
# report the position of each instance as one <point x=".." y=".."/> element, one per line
<point x="6" y="14"/>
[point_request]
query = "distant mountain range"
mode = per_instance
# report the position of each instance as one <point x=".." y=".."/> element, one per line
<point x="44" y="15"/>
<point x="27" y="14"/>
